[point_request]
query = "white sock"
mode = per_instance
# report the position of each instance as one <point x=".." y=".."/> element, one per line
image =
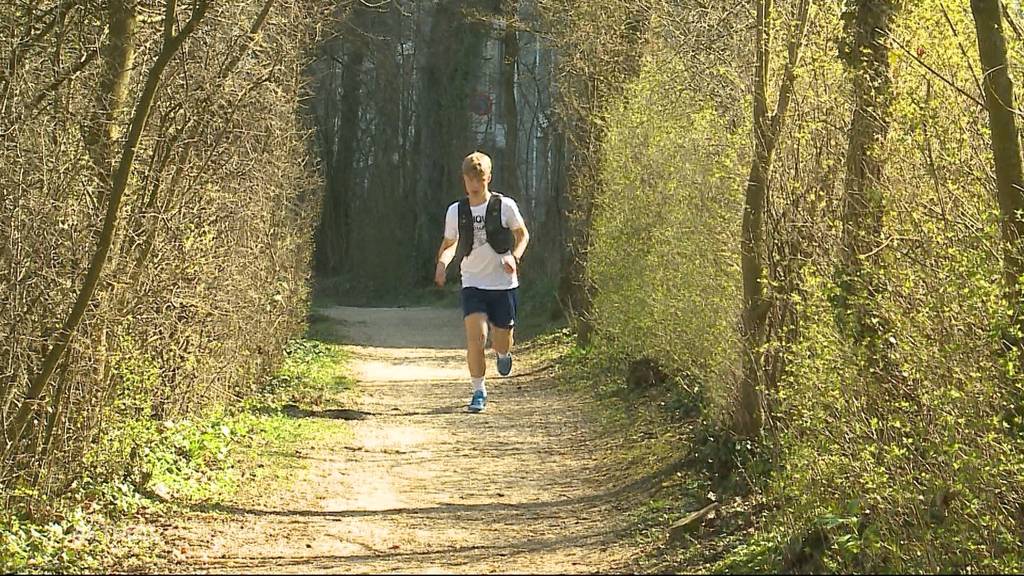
<point x="478" y="385"/>
<point x="505" y="355"/>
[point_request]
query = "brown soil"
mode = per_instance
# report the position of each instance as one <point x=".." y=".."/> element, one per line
<point x="425" y="486"/>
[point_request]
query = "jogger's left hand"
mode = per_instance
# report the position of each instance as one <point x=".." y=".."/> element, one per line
<point x="509" y="261"/>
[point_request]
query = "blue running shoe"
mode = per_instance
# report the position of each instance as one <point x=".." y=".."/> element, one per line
<point x="505" y="365"/>
<point x="478" y="403"/>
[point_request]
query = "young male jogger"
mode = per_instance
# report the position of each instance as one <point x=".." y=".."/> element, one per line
<point x="488" y="230"/>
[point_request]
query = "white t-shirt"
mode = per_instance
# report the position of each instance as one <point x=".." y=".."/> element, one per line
<point x="483" y="267"/>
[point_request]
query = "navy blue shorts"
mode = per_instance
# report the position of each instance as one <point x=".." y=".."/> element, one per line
<point x="499" y="305"/>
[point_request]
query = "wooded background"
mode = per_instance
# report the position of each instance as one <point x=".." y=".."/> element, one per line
<point x="806" y="215"/>
<point x="404" y="92"/>
<point x="157" y="211"/>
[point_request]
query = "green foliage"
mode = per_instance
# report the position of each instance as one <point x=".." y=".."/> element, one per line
<point x="174" y="462"/>
<point x="205" y="279"/>
<point x="57" y="546"/>
<point x="539" y="310"/>
<point x="311" y="369"/>
<point x="859" y="469"/>
<point x="927" y="466"/>
<point x="664" y="257"/>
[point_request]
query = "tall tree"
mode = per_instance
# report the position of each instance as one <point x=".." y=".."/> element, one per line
<point x="866" y="54"/>
<point x="452" y="53"/>
<point x="104" y="129"/>
<point x="509" y="72"/>
<point x="748" y="417"/>
<point x="339" y="137"/>
<point x="603" y="66"/>
<point x="1005" y="142"/>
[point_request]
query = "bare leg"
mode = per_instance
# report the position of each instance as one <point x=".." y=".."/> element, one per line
<point x="502" y="339"/>
<point x="476" y="334"/>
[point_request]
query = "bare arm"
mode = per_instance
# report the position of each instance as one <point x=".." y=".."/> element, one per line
<point x="522" y="237"/>
<point x="445" y="255"/>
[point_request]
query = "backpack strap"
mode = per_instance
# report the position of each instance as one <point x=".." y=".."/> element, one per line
<point x="465" y="245"/>
<point x="498" y="236"/>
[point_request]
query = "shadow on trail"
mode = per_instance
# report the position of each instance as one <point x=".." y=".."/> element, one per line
<point x="469" y="554"/>
<point x="644" y="485"/>
<point x="293" y="411"/>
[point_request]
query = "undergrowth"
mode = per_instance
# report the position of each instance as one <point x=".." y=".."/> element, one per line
<point x="658" y="426"/>
<point x="177" y="462"/>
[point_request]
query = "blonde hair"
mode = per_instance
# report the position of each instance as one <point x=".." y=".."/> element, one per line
<point x="477" y="165"/>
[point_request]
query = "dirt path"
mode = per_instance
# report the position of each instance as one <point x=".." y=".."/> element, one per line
<point x="425" y="486"/>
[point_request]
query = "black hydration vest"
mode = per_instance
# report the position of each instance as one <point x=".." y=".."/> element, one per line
<point x="499" y="237"/>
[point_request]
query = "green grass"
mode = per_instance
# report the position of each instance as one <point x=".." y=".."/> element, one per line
<point x="227" y="452"/>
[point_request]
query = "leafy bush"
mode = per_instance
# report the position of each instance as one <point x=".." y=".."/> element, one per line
<point x="917" y="468"/>
<point x="664" y="257"/>
<point x="204" y="277"/>
<point x="173" y="462"/>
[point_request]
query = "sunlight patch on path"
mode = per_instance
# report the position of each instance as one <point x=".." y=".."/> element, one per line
<point x="383" y="371"/>
<point x="425" y="487"/>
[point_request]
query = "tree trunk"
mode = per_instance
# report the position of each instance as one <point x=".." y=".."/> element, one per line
<point x="749" y="416"/>
<point x="575" y="292"/>
<point x="867" y="56"/>
<point x="104" y="128"/>
<point x="748" y="411"/>
<point x="452" y="52"/>
<point x="510" y="65"/>
<point x="342" y="127"/>
<point x="999" y="98"/>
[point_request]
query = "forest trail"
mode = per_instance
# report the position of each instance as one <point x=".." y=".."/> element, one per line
<point x="424" y="486"/>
